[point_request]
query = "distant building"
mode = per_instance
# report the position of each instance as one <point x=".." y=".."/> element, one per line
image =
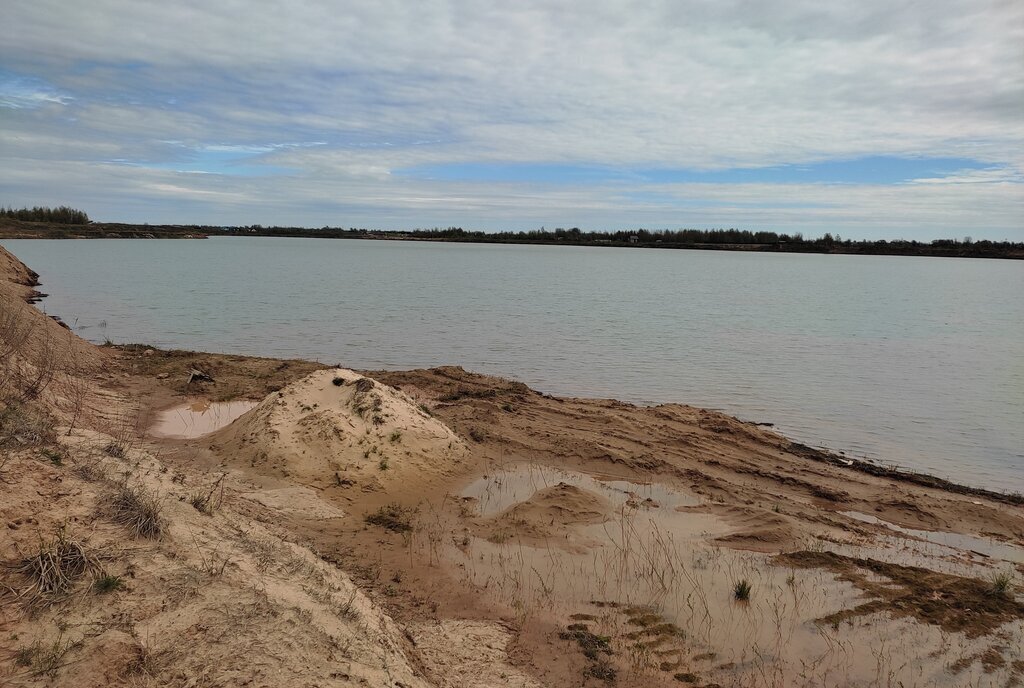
<point x="633" y="238"/>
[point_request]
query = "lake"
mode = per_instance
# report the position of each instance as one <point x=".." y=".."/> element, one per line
<point x="917" y="362"/>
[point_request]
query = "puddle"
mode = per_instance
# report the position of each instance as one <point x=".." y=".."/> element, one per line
<point x="987" y="547"/>
<point x="647" y="576"/>
<point x="502" y="489"/>
<point x="197" y="418"/>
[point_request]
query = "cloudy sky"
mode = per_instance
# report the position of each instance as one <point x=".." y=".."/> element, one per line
<point x="874" y="118"/>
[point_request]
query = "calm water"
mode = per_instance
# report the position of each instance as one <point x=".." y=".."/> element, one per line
<point x="913" y="361"/>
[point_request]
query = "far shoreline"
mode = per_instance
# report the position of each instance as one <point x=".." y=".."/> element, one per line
<point x="939" y="248"/>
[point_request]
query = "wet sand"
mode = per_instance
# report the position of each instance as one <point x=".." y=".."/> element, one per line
<point x="574" y="519"/>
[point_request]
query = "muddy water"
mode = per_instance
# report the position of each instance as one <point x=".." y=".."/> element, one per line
<point x="197" y="418"/>
<point x="961" y="544"/>
<point x="650" y="580"/>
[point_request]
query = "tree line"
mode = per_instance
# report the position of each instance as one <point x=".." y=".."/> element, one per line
<point x="62" y="215"/>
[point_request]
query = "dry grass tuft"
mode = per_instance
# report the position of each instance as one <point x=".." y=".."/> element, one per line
<point x="1002" y="584"/>
<point x="138" y="510"/>
<point x="50" y="574"/>
<point x="25" y="425"/>
<point x="89" y="471"/>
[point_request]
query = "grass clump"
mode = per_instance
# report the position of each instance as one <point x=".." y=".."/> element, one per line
<point x="55" y="456"/>
<point x="393" y="517"/>
<point x="107" y="583"/>
<point x="741" y="590"/>
<point x="395" y="436"/>
<point x="1002" y="584"/>
<point x="25" y="425"/>
<point x="138" y="510"/>
<point x="51" y="573"/>
<point x="44" y="659"/>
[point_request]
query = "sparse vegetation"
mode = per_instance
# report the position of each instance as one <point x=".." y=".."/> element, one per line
<point x="1002" y="584"/>
<point x="395" y="436"/>
<point x="51" y="573"/>
<point x="138" y="510"/>
<point x="393" y="517"/>
<point x="209" y="501"/>
<point x="107" y="583"/>
<point x="114" y="449"/>
<point x="741" y="590"/>
<point x="593" y="647"/>
<point x="25" y="425"/>
<point x="55" y="456"/>
<point x="44" y="659"/>
<point x="89" y="471"/>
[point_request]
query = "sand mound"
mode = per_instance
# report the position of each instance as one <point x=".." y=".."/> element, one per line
<point x="552" y="513"/>
<point x="336" y="427"/>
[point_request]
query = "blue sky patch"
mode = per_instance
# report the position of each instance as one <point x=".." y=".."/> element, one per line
<point x="17" y="91"/>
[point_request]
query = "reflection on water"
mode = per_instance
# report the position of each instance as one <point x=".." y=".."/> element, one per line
<point x="197" y="418"/>
<point x="914" y="361"/>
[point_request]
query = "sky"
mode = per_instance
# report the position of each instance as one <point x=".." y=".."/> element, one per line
<point x="870" y="119"/>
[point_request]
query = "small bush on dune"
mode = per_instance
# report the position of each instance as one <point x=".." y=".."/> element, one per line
<point x="741" y="590"/>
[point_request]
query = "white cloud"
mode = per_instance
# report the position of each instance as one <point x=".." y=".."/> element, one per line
<point x="389" y="85"/>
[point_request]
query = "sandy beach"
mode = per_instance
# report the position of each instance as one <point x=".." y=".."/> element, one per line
<point x="180" y="518"/>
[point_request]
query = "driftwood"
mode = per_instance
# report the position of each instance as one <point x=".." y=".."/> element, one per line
<point x="196" y="374"/>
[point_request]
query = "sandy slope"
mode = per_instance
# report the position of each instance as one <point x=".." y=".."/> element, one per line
<point x="223" y="595"/>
